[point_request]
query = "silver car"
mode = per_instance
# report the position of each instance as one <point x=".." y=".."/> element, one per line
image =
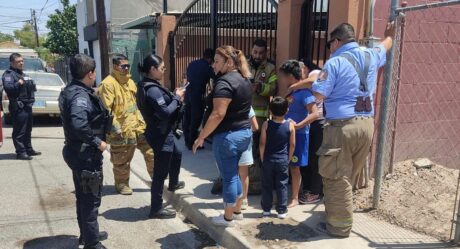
<point x="49" y="86"/>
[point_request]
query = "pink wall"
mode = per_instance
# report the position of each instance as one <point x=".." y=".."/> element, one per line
<point x="428" y="112"/>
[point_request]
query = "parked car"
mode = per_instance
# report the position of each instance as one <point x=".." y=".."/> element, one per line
<point x="30" y="64"/>
<point x="49" y="86"/>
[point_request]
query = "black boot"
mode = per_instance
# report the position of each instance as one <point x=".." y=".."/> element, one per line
<point x="102" y="236"/>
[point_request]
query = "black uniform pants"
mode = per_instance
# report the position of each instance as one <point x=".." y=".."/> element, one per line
<point x="166" y="162"/>
<point x="311" y="179"/>
<point x="87" y="203"/>
<point x="193" y="116"/>
<point x="22" y="130"/>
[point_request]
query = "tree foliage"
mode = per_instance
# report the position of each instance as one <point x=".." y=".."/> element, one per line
<point x="6" y="37"/>
<point x="62" y="38"/>
<point x="26" y="36"/>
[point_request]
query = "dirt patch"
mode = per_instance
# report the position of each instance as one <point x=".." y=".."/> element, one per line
<point x="276" y="233"/>
<point x="418" y="199"/>
<point x="58" y="198"/>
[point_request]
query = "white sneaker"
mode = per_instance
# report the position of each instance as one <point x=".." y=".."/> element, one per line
<point x="266" y="214"/>
<point x="238" y="216"/>
<point x="282" y="216"/>
<point x="220" y="221"/>
<point x="244" y="204"/>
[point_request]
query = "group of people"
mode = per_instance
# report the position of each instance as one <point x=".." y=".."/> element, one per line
<point x="319" y="133"/>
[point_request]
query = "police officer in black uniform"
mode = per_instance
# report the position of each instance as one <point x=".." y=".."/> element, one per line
<point x="85" y="122"/>
<point x="160" y="109"/>
<point x="20" y="90"/>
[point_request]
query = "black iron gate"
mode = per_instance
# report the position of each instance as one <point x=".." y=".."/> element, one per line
<point x="212" y="23"/>
<point x="313" y="31"/>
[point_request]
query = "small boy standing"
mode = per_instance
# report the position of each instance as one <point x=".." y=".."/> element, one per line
<point x="277" y="144"/>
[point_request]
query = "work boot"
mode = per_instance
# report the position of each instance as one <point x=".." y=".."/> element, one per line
<point x="102" y="236"/>
<point x="34" y="153"/>
<point x="124" y="189"/>
<point x="23" y="157"/>
<point x="97" y="246"/>
<point x="163" y="214"/>
<point x="179" y="185"/>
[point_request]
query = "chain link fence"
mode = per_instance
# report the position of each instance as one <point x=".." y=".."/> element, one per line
<point x="421" y="103"/>
<point x="420" y="115"/>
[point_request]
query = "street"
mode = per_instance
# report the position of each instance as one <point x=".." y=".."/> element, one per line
<point x="38" y="204"/>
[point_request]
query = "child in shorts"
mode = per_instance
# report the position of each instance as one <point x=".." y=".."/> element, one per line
<point x="277" y="144"/>
<point x="247" y="160"/>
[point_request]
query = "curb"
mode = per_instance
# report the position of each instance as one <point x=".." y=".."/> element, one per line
<point x="184" y="202"/>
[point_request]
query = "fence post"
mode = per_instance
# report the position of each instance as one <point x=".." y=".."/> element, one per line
<point x="379" y="167"/>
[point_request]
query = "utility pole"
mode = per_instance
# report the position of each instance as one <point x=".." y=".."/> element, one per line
<point x="102" y="36"/>
<point x="34" y="25"/>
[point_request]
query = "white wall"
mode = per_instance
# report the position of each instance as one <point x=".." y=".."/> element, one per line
<point x="81" y="23"/>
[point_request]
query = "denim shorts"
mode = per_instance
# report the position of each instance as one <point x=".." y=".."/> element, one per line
<point x="247" y="158"/>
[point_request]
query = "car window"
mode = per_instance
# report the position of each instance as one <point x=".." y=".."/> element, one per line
<point x="47" y="79"/>
<point x="30" y="64"/>
<point x="4" y="63"/>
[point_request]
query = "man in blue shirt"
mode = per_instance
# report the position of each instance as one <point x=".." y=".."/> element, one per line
<point x="199" y="72"/>
<point x="347" y="85"/>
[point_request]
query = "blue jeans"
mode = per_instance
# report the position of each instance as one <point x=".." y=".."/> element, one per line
<point x="275" y="175"/>
<point x="228" y="147"/>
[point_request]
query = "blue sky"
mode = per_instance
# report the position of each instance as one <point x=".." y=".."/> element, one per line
<point x="13" y="13"/>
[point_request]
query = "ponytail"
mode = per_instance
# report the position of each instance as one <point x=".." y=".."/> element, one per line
<point x="238" y="58"/>
<point x="149" y="61"/>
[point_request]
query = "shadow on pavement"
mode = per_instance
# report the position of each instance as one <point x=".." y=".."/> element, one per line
<point x="287" y="230"/>
<point x="176" y="240"/>
<point x="108" y="190"/>
<point x="8" y="156"/>
<point x="53" y="242"/>
<point x="127" y="214"/>
<point x="203" y="191"/>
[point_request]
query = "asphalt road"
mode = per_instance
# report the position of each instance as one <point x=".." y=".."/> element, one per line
<point x="37" y="207"/>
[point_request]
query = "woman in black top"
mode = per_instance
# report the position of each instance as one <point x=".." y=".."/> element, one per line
<point x="160" y="107"/>
<point x="230" y="126"/>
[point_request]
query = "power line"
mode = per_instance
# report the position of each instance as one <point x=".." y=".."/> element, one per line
<point x="13" y="7"/>
<point x="14" y="22"/>
<point x="41" y="10"/>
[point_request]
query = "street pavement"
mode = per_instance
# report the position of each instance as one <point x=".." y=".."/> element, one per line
<point x="38" y="204"/>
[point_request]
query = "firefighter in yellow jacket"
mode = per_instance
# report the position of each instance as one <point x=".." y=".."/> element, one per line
<point x="264" y="80"/>
<point x="118" y="93"/>
<point x="264" y="84"/>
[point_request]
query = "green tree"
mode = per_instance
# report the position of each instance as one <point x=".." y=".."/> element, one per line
<point x="62" y="38"/>
<point x="26" y="36"/>
<point x="6" y="37"/>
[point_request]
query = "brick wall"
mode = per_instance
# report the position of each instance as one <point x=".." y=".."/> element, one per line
<point x="428" y="110"/>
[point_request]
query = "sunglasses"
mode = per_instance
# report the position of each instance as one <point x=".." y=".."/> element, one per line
<point x="125" y="66"/>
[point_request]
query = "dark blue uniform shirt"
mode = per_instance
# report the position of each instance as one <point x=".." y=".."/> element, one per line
<point x="79" y="106"/>
<point x="160" y="111"/>
<point x="199" y="72"/>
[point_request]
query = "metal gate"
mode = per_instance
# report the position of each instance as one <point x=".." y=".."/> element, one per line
<point x="313" y="31"/>
<point x="213" y="23"/>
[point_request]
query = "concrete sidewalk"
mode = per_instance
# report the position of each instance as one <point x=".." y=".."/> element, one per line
<point x="199" y="205"/>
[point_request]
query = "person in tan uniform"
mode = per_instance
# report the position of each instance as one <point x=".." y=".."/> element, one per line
<point x="118" y="93"/>
<point x="264" y="86"/>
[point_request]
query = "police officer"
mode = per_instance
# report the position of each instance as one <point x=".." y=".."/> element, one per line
<point x="160" y="109"/>
<point x="20" y="89"/>
<point x="199" y="72"/>
<point x="346" y="84"/>
<point x="85" y="122"/>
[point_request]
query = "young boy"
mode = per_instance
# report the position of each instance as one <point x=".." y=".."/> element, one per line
<point x="277" y="143"/>
<point x="302" y="112"/>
